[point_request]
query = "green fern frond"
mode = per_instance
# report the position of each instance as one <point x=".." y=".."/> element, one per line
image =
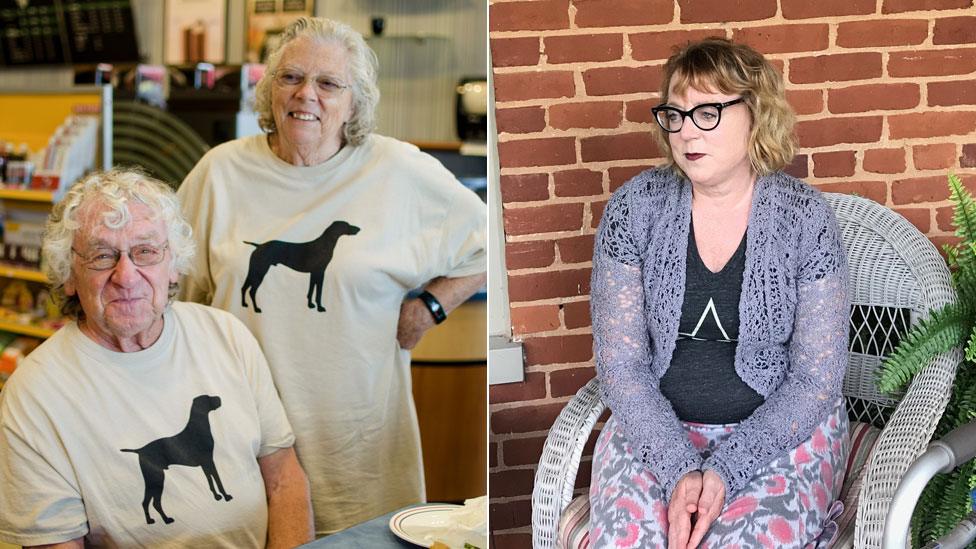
<point x="964" y="214"/>
<point x="940" y="332"/>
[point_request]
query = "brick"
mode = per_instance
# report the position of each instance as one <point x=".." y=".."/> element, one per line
<point x="709" y="11"/>
<point x="523" y="86"/>
<point x="524" y="419"/>
<point x="558" y="349"/>
<point x="522" y="16"/>
<point x="510" y="514"/>
<point x="583" y="475"/>
<point x="931" y="124"/>
<point x="620" y="80"/>
<point x="520" y="120"/>
<point x="871" y="97"/>
<point x="804" y="9"/>
<point x="640" y="110"/>
<point x="576" y="314"/>
<point x="785" y="38"/>
<point x="624" y="146"/>
<point x="597" y="210"/>
<point x="651" y="46"/>
<point x="583" y="47"/>
<point x="622" y="13"/>
<point x="919" y="189"/>
<point x="529" y="254"/>
<point x="932" y="63"/>
<point x="534" y="319"/>
<point x="533" y="387"/>
<point x="576" y="249"/>
<point x="553" y="151"/>
<point x="619" y="176"/>
<point x="954" y="30"/>
<point x="567" y="382"/>
<point x="958" y="92"/>
<point x="492" y="454"/>
<point x="805" y="101"/>
<point x="968" y="158"/>
<point x="511" y="482"/>
<point x="514" y="540"/>
<point x="940" y="241"/>
<point x="944" y="218"/>
<point x="831" y="131"/>
<point x="515" y="52"/>
<point x="884" y="160"/>
<point x="882" y="32"/>
<point x="874" y="190"/>
<point x="522" y="451"/>
<point x="934" y="157"/>
<point x="799" y="167"/>
<point x="900" y="6"/>
<point x="578" y="183"/>
<point x="543" y="219"/>
<point x="834" y="164"/>
<point x="835" y="67"/>
<point x="523" y="188"/>
<point x="602" y="114"/>
<point x="920" y="217"/>
<point x="535" y="286"/>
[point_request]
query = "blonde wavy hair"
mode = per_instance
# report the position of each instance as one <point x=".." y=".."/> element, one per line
<point x="718" y="64"/>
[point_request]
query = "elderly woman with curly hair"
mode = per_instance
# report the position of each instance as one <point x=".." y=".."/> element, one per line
<point x="313" y="234"/>
<point x="720" y="314"/>
<point x="94" y="421"/>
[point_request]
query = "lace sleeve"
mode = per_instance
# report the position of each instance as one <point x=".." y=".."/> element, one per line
<point x="623" y="353"/>
<point x="818" y="358"/>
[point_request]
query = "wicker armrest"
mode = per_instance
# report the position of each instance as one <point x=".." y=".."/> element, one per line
<point x="903" y="439"/>
<point x="556" y="474"/>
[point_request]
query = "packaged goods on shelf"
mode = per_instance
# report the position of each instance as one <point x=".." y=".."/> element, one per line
<point x="14" y="351"/>
<point x="70" y="153"/>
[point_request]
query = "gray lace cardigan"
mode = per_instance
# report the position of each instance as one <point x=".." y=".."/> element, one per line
<point x="794" y="316"/>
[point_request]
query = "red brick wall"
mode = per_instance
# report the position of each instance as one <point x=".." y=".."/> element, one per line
<point x="885" y="91"/>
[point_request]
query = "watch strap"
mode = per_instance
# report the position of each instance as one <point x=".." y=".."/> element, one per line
<point x="434" y="306"/>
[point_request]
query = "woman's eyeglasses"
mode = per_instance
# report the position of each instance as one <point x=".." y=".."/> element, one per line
<point x="141" y="255"/>
<point x="706" y="116"/>
<point x="326" y="85"/>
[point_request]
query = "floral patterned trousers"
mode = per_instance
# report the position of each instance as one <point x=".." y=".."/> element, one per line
<point x="791" y="502"/>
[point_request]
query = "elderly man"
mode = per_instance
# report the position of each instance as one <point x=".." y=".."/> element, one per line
<point x="143" y="422"/>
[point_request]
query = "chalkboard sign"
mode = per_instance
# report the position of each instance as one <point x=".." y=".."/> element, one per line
<point x="60" y="32"/>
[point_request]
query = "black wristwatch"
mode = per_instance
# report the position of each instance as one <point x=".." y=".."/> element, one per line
<point x="434" y="306"/>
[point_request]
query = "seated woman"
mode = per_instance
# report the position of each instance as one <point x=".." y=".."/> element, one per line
<point x="720" y="314"/>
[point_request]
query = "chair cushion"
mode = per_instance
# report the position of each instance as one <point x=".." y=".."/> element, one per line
<point x="574" y="523"/>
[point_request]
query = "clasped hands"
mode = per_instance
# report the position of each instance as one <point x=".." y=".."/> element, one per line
<point x="696" y="502"/>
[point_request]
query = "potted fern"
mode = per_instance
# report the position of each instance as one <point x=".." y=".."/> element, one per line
<point x="947" y="499"/>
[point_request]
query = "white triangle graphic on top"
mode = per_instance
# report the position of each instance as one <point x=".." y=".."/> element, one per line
<point x="710" y="307"/>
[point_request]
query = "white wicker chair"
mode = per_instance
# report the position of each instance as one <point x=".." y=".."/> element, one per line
<point x="892" y="266"/>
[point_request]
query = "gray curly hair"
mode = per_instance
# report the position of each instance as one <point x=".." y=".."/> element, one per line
<point x="362" y="66"/>
<point x="114" y="188"/>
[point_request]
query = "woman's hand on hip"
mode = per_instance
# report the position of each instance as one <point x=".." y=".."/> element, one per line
<point x="684" y="502"/>
<point x="710" y="505"/>
<point x="415" y="319"/>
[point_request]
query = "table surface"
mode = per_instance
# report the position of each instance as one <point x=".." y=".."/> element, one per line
<point x="373" y="534"/>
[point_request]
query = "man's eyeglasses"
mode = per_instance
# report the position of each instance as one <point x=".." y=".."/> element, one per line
<point x="326" y="85"/>
<point x="706" y="116"/>
<point x="141" y="255"/>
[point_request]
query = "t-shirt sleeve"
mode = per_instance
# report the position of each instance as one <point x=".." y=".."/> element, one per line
<point x="463" y="236"/>
<point x="40" y="502"/>
<point x="194" y="196"/>
<point x="276" y="432"/>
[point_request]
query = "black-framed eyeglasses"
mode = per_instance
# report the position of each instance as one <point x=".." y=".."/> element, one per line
<point x="141" y="255"/>
<point x="706" y="116"/>
<point x="290" y="78"/>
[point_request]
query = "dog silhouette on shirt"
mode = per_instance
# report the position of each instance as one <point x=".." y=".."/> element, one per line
<point x="305" y="257"/>
<point x="191" y="447"/>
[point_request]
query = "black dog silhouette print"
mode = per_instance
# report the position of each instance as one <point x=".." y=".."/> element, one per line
<point x="191" y="447"/>
<point x="305" y="257"/>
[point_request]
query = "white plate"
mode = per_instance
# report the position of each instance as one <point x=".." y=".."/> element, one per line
<point x="414" y="523"/>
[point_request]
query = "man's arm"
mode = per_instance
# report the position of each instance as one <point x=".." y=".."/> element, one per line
<point x="289" y="499"/>
<point x="415" y="319"/>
